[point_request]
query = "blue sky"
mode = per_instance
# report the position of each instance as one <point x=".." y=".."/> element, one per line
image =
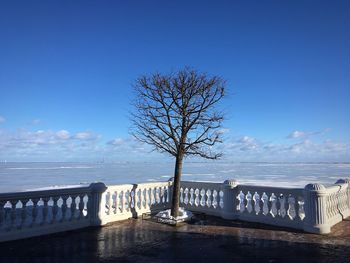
<point x="67" y="68"/>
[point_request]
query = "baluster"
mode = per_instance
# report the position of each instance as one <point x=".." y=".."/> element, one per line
<point x="115" y="203"/>
<point x="186" y="196"/>
<point x="208" y="194"/>
<point x="139" y="199"/>
<point x="132" y="197"/>
<point x="241" y="205"/>
<point x="46" y="216"/>
<point x="291" y="207"/>
<point x="196" y="201"/>
<point x="73" y="208"/>
<point x="144" y="199"/>
<point x="191" y="201"/>
<point x="249" y="205"/>
<point x="2" y="213"/>
<point x="7" y="215"/>
<point x="112" y="208"/>
<point x="87" y="204"/>
<point x="221" y="202"/>
<point x="107" y="203"/>
<point x="282" y="202"/>
<point x="215" y="199"/>
<point x="13" y="214"/>
<point x="167" y="194"/>
<point x="301" y="211"/>
<point x="273" y="200"/>
<point x="18" y="214"/>
<point x="40" y="215"/>
<point x="151" y="196"/>
<point x="162" y="195"/>
<point x="202" y="202"/>
<point x="181" y="195"/>
<point x="64" y="208"/>
<point x="81" y="206"/>
<point x="29" y="213"/>
<point x="265" y="200"/>
<point x="54" y="209"/>
<point x="23" y="213"/>
<point x="126" y="201"/>
<point x="35" y="211"/>
<point x="121" y="201"/>
<point x="256" y="198"/>
<point x="154" y="195"/>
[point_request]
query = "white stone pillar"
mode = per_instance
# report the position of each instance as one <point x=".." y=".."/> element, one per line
<point x="345" y="183"/>
<point x="315" y="196"/>
<point x="229" y="188"/>
<point x="170" y="191"/>
<point x="95" y="211"/>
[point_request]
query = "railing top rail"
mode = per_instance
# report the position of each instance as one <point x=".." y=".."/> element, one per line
<point x="120" y="186"/>
<point x="268" y="188"/>
<point x="154" y="184"/>
<point x="84" y="189"/>
<point x="335" y="188"/>
<point x="200" y="184"/>
<point x="141" y="185"/>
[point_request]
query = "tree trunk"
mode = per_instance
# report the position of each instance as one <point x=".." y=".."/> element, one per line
<point x="176" y="187"/>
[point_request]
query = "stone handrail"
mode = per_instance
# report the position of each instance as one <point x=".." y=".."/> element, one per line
<point x="315" y="208"/>
<point x="132" y="200"/>
<point x="326" y="206"/>
<point x="204" y="197"/>
<point x="32" y="213"/>
<point x="270" y="205"/>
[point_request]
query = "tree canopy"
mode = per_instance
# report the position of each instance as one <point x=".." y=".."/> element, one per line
<point x="175" y="112"/>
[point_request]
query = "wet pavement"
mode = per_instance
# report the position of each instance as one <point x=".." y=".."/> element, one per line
<point x="205" y="240"/>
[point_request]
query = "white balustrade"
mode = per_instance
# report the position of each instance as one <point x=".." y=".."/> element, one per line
<point x="270" y="205"/>
<point x="315" y="208"/>
<point x="33" y="213"/>
<point x="133" y="200"/>
<point x="202" y="197"/>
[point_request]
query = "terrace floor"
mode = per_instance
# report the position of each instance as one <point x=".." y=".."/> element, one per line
<point x="209" y="239"/>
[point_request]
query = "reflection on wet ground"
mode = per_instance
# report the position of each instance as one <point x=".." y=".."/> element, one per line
<point x="207" y="240"/>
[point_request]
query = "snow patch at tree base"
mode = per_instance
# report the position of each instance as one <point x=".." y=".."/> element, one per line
<point x="167" y="218"/>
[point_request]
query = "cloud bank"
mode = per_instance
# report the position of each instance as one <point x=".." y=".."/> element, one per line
<point x="63" y="145"/>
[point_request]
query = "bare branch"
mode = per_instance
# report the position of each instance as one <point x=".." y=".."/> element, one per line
<point x="175" y="113"/>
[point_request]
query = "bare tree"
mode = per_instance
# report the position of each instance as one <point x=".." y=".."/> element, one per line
<point x="176" y="114"/>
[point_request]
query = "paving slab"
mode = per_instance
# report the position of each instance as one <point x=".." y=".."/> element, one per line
<point x="208" y="239"/>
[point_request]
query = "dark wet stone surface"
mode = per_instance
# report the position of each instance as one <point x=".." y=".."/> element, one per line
<point x="207" y="240"/>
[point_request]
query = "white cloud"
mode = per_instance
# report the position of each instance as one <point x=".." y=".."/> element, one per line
<point x="244" y="143"/>
<point x="223" y="131"/>
<point x="85" y="136"/>
<point x="41" y="144"/>
<point x="247" y="148"/>
<point x="2" y="119"/>
<point x="303" y="134"/>
<point x="296" y="134"/>
<point x="63" y="134"/>
<point x="116" y="142"/>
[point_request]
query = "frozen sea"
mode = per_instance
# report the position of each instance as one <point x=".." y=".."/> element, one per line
<point x="28" y="176"/>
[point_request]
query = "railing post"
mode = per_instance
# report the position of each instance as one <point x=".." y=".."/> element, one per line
<point x="315" y="221"/>
<point x="346" y="207"/>
<point x="229" y="188"/>
<point x="170" y="189"/>
<point x="94" y="209"/>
